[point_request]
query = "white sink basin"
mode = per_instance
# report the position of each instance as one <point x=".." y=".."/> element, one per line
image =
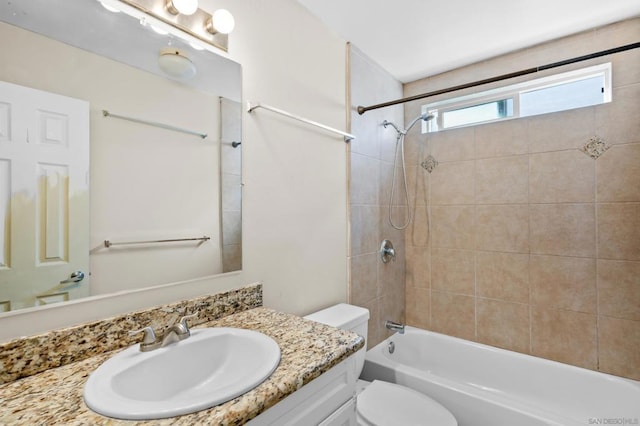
<point x="212" y="366"/>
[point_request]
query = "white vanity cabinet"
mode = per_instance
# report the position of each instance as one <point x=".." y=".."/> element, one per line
<point x="328" y="400"/>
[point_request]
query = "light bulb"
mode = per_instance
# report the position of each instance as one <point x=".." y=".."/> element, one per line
<point x="156" y="29"/>
<point x="223" y="21"/>
<point x="159" y="30"/>
<point x="109" y="8"/>
<point x="196" y="46"/>
<point x="186" y="7"/>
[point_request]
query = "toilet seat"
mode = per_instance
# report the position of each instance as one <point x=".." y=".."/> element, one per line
<point x="388" y="404"/>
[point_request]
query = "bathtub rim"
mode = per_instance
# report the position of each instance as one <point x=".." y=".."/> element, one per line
<point x="379" y="363"/>
<point x="411" y="329"/>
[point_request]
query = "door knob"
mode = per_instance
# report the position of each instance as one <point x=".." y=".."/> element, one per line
<point x="75" y="277"/>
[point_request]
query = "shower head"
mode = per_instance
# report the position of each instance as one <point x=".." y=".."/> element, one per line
<point x="424" y="117"/>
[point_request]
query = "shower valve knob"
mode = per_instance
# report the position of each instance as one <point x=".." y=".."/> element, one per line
<point x="387" y="252"/>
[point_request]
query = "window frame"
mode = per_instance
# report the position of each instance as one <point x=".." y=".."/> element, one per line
<point x="513" y="92"/>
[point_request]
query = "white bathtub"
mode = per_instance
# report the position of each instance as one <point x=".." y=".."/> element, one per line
<point x="486" y="386"/>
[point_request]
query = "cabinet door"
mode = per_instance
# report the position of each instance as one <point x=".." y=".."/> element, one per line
<point x="44" y="195"/>
<point x="343" y="416"/>
<point x="317" y="401"/>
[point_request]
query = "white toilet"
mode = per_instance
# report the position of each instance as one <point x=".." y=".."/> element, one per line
<point x="382" y="403"/>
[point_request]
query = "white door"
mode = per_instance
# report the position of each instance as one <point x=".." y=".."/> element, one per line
<point x="44" y="196"/>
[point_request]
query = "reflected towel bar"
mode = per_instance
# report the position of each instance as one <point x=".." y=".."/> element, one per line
<point x="347" y="136"/>
<point x="108" y="243"/>
<point x="153" y="123"/>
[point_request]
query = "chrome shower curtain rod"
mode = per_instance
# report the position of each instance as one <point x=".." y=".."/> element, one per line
<point x="363" y="109"/>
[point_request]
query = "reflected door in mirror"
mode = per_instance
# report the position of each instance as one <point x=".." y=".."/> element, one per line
<point x="44" y="164"/>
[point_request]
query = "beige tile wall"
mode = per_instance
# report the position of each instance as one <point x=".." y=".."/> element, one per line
<point x="231" y="182"/>
<point x="374" y="285"/>
<point x="530" y="244"/>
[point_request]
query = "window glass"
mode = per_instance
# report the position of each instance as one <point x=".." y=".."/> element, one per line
<point x="478" y="113"/>
<point x="559" y="92"/>
<point x="576" y="94"/>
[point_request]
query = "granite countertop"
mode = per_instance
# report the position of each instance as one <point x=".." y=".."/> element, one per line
<point x="308" y="349"/>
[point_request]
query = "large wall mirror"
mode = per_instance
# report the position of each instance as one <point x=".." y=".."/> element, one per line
<point x="114" y="175"/>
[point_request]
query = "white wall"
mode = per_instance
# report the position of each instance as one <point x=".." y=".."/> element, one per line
<point x="294" y="201"/>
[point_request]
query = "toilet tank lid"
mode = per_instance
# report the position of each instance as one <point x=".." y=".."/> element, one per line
<point x="342" y="316"/>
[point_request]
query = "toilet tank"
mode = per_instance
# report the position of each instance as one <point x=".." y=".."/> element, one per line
<point x="346" y="317"/>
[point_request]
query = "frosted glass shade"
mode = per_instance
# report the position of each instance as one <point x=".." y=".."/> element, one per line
<point x="176" y="64"/>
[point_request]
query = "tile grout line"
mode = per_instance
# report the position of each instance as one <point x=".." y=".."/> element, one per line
<point x="475" y="234"/>
<point x="596" y="252"/>
<point x="529" y="240"/>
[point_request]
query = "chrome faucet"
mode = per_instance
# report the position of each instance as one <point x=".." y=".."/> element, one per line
<point x="178" y="331"/>
<point x="151" y="341"/>
<point x="394" y="326"/>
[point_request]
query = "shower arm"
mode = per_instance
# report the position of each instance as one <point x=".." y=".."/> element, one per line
<point x="386" y="123"/>
<point x="425" y="117"/>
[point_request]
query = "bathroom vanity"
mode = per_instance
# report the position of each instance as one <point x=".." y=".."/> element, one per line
<point x="314" y="357"/>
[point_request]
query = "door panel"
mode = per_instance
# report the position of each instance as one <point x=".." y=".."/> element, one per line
<point x="44" y="164"/>
<point x="5" y="218"/>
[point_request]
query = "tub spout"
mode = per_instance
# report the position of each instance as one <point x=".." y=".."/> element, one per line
<point x="394" y="326"/>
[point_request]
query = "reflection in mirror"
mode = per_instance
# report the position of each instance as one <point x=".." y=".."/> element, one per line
<point x="153" y="178"/>
<point x="230" y="175"/>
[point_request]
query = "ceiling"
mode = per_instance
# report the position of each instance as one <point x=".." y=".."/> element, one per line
<point x="413" y="39"/>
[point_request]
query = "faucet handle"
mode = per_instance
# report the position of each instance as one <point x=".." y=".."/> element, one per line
<point x="149" y="335"/>
<point x="183" y="321"/>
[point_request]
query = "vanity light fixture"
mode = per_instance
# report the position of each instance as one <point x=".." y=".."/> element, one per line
<point x="183" y="19"/>
<point x="186" y="7"/>
<point x="220" y="22"/>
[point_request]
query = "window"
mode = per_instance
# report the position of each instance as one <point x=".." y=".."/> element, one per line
<point x="487" y="111"/>
<point x="574" y="89"/>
